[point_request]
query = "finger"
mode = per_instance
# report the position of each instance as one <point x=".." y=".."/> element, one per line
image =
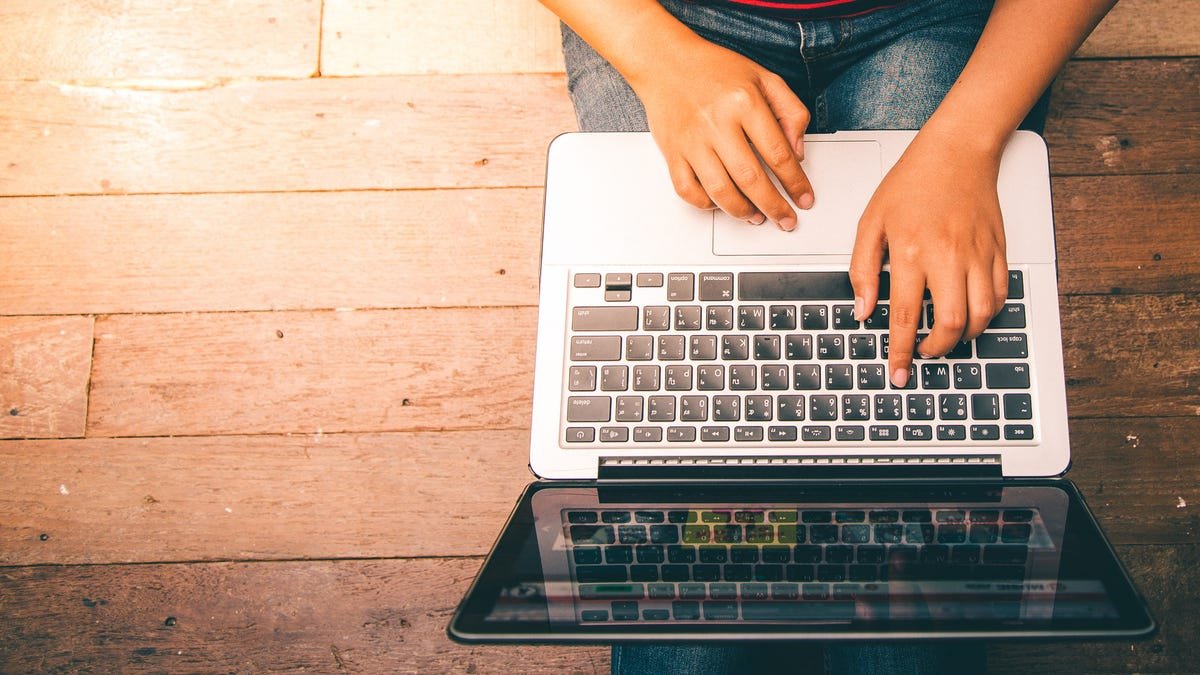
<point x="720" y="188"/>
<point x="687" y="186"/>
<point x="752" y="181"/>
<point x="908" y="287"/>
<point x="981" y="301"/>
<point x="949" y="291"/>
<point x="865" y="263"/>
<point x="792" y="114"/>
<point x="773" y="146"/>
<point x="1000" y="282"/>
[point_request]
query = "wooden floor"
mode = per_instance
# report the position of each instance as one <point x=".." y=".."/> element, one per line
<point x="267" y="287"/>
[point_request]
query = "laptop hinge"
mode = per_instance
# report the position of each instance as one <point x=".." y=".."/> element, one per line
<point x="791" y="468"/>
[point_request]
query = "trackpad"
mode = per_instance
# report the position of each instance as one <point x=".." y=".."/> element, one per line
<point x="844" y="174"/>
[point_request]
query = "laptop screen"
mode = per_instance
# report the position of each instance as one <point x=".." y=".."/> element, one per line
<point x="802" y="560"/>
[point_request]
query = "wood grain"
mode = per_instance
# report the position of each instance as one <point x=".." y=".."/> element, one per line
<point x="475" y="36"/>
<point x="258" y="497"/>
<point x="1146" y="28"/>
<point x="1125" y="117"/>
<point x="144" y="39"/>
<point x="323" y="250"/>
<point x="375" y="495"/>
<point x="317" y="250"/>
<point x="458" y="131"/>
<point x="269" y="135"/>
<point x="390" y="616"/>
<point x="1134" y="233"/>
<point x="45" y="363"/>
<point x="301" y="372"/>
<point x="1127" y="356"/>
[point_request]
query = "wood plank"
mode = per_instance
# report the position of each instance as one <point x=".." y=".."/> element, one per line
<point x="203" y="374"/>
<point x="320" y="250"/>
<point x="207" y="498"/>
<point x="123" y="40"/>
<point x="300" y="372"/>
<point x="374" y="495"/>
<point x="1128" y="356"/>
<point x="1135" y="233"/>
<point x="45" y="363"/>
<point x="1146" y="28"/>
<point x="1125" y="117"/>
<point x="390" y="616"/>
<point x="474" y="36"/>
<point x="323" y="250"/>
<point x="313" y="134"/>
<point x="437" y="131"/>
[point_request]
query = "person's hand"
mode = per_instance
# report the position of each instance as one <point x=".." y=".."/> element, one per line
<point x="710" y="109"/>
<point x="937" y="215"/>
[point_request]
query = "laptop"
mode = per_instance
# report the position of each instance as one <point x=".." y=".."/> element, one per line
<point x="721" y="454"/>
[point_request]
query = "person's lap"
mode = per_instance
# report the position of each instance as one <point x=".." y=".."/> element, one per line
<point x="884" y="70"/>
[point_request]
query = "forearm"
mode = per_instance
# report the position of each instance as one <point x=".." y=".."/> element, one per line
<point x="633" y="35"/>
<point x="1024" y="44"/>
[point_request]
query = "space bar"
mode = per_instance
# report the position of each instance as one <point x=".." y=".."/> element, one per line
<point x="795" y="610"/>
<point x="802" y="286"/>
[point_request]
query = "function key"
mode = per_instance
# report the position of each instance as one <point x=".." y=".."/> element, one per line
<point x="681" y="286"/>
<point x="615" y="516"/>
<point x="581" y="517"/>
<point x="1018" y="432"/>
<point x="587" y="280"/>
<point x="580" y="434"/>
<point x="716" y="286"/>
<point x="985" y="432"/>
<point x="1016" y="284"/>
<point x="649" y="279"/>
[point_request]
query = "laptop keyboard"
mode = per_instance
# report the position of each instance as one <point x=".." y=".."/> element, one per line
<point x="780" y="563"/>
<point x="774" y="359"/>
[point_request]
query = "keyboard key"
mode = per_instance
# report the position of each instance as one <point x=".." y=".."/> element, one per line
<point x="589" y="408"/>
<point x="587" y="280"/>
<point x="656" y="318"/>
<point x="839" y="376"/>
<point x="806" y="377"/>
<point x="629" y="408"/>
<point x="594" y="615"/>
<point x="743" y="377"/>
<point x="716" y="286"/>
<point x="671" y="347"/>
<point x="625" y="610"/>
<point x="783" y="317"/>
<point x="823" y="407"/>
<point x="798" y="347"/>
<point x="951" y="432"/>
<point x="862" y="346"/>
<point x="656" y="614"/>
<point x="614" y="434"/>
<point x="1011" y="316"/>
<point x="952" y="406"/>
<point x="985" y="432"/>
<point x="582" y="517"/>
<point x="884" y="432"/>
<point x="766" y="347"/>
<point x="872" y="376"/>
<point x="604" y="319"/>
<point x="1002" y="346"/>
<point x="664" y="534"/>
<point x="735" y="347"/>
<point x="985" y="406"/>
<point x="816" y="433"/>
<point x="751" y="317"/>
<point x="851" y="433"/>
<point x="784" y="286"/>
<point x="1018" y="407"/>
<point x="582" y="378"/>
<point x="693" y="408"/>
<point x="843" y="318"/>
<point x="688" y="317"/>
<point x="685" y="610"/>
<point x="677" y="378"/>
<point x="598" y="535"/>
<point x="856" y="407"/>
<point x="639" y="348"/>
<point x="967" y="376"/>
<point x="714" y="434"/>
<point x="1018" y="432"/>
<point x="649" y="279"/>
<point x="918" y="432"/>
<point x="790" y="408"/>
<point x="580" y="434"/>
<point x="747" y="434"/>
<point x="597" y="348"/>
<point x="830" y="346"/>
<point x="719" y="318"/>
<point x="1016" y="285"/>
<point x="681" y="286"/>
<point x="681" y="434"/>
<point x="614" y="378"/>
<point x="1007" y="375"/>
<point x="814" y="317"/>
<point x="648" y="516"/>
<point x="646" y="378"/>
<point x="919" y="406"/>
<point x="661" y="409"/>
<point x="703" y="347"/>
<point x="781" y="433"/>
<point x="726" y="408"/>
<point x="889" y="407"/>
<point x="774" y="376"/>
<point x="935" y="375"/>
<point x="758" y="408"/>
<point x="878" y="319"/>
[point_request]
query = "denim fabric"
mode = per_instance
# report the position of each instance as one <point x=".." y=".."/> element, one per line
<point x="888" y="69"/>
<point x="795" y="658"/>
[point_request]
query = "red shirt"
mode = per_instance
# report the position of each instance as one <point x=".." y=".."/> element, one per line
<point x="808" y="9"/>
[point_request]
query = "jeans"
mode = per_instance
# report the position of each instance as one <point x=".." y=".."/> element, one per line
<point x="888" y="69"/>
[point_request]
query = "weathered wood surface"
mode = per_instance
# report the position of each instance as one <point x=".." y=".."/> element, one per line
<point x="143" y="39"/>
<point x="390" y="616"/>
<point x="376" y="495"/>
<point x="417" y="248"/>
<point x="472" y="36"/>
<point x="270" y="135"/>
<point x="1146" y="28"/>
<point x="304" y="372"/>
<point x="350" y="371"/>
<point x="309" y="250"/>
<point x="45" y="363"/>
<point x="458" y="131"/>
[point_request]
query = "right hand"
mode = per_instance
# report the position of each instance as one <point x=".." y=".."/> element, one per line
<point x="709" y="109"/>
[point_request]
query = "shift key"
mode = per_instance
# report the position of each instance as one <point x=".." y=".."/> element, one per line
<point x="597" y="348"/>
<point x="1002" y="346"/>
<point x="604" y="318"/>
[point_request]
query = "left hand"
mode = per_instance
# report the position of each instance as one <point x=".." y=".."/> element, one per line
<point x="937" y="215"/>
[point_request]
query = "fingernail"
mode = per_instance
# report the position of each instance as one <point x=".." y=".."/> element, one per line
<point x="860" y="307"/>
<point x="788" y="223"/>
<point x="900" y="377"/>
<point x="806" y="200"/>
<point x="757" y="219"/>
<point x="923" y="354"/>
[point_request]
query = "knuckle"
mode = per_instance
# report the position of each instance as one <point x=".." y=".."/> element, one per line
<point x="953" y="322"/>
<point x="776" y="153"/>
<point x="693" y="194"/>
<point x="725" y="193"/>
<point x="905" y="317"/>
<point x="746" y="174"/>
<point x="981" y="316"/>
